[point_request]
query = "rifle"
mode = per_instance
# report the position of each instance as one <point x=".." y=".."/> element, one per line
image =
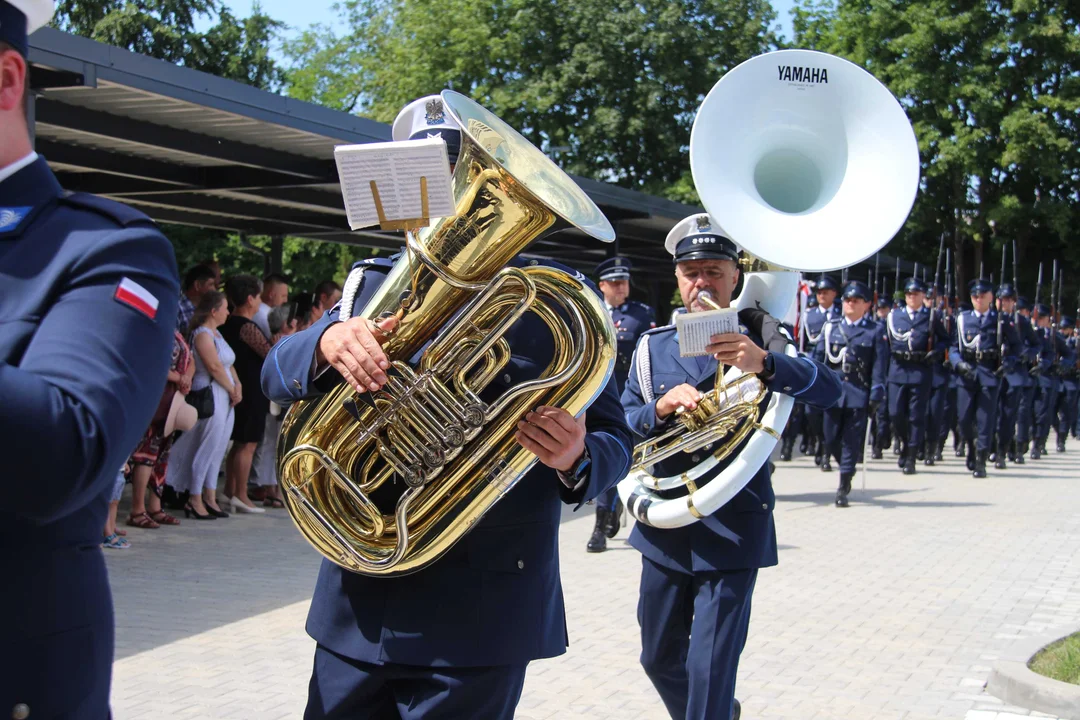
<point x="933" y="304"/>
<point x="877" y="262"/>
<point x="949" y="300"/>
<point x="1016" y="283"/>
<point x="1038" y="284"/>
<point x="897" y="288"/>
<point x="1053" y="312"/>
<point x="1000" y="314"/>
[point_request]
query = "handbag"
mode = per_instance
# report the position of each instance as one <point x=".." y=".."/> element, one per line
<point x="203" y="401"/>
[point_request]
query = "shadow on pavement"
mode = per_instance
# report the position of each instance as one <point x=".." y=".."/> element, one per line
<point x="873" y="496"/>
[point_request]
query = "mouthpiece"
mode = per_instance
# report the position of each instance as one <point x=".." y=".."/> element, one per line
<point x="706" y="298"/>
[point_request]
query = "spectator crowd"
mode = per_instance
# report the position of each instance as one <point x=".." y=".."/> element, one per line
<point x="213" y="419"/>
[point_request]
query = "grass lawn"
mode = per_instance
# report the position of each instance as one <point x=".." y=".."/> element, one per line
<point x="1060" y="661"/>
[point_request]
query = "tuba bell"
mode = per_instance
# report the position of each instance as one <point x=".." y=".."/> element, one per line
<point x="810" y="164"/>
<point x="385" y="483"/>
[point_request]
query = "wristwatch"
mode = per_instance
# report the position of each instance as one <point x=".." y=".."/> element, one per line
<point x="770" y="367"/>
<point x="578" y="472"/>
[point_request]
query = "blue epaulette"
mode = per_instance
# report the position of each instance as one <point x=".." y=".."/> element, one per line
<point x="121" y="214"/>
<point x="656" y="330"/>
<point x="379" y="262"/>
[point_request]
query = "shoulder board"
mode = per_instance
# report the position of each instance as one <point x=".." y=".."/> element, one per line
<point x="833" y="321"/>
<point x="121" y="214"/>
<point x="376" y="262"/>
<point x="641" y="305"/>
<point x="658" y="330"/>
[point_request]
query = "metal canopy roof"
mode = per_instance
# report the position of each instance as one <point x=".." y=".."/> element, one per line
<point x="191" y="148"/>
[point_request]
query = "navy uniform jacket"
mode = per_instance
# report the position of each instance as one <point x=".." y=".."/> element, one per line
<point x="495" y="598"/>
<point x="741" y="534"/>
<point x="909" y="342"/>
<point x="859" y="353"/>
<point x="1067" y="362"/>
<point x="812" y="325"/>
<point x="968" y="327"/>
<point x="1017" y="366"/>
<point x="81" y="376"/>
<point x="631" y="319"/>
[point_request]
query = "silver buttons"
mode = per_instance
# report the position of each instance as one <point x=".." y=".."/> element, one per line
<point x="787" y="389"/>
<point x="521" y="564"/>
<point x="296" y="384"/>
<point x="661" y="386"/>
<point x="695" y="457"/>
<point x="764" y="506"/>
<point x="20" y="712"/>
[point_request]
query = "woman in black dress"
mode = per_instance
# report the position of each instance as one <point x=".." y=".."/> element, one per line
<point x="251" y="347"/>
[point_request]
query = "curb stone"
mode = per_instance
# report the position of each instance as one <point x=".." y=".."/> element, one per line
<point x="1014" y="682"/>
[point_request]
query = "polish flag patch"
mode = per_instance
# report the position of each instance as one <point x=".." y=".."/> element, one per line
<point x="135" y="295"/>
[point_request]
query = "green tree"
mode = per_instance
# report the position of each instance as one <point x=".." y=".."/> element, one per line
<point x="166" y="29"/>
<point x="993" y="91"/>
<point x="608" y="87"/>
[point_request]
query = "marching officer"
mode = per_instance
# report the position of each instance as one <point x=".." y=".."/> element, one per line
<point x="631" y="318"/>
<point x="937" y="406"/>
<point x="980" y="357"/>
<point x="1066" y="412"/>
<point x="451" y="640"/>
<point x="915" y="346"/>
<point x="881" y="431"/>
<point x="1025" y="411"/>
<point x="813" y="323"/>
<point x="697" y="581"/>
<point x="88" y="300"/>
<point x="855" y="347"/>
<point x="1051" y="347"/>
<point x="1014" y="380"/>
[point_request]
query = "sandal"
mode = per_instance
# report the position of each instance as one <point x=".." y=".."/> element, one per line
<point x="273" y="502"/>
<point x="163" y="518"/>
<point x="115" y="542"/>
<point x="121" y="533"/>
<point x="142" y="520"/>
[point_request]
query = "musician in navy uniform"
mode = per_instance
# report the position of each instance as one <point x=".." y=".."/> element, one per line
<point x="452" y="640"/>
<point x="1025" y="411"/>
<point x="915" y="346"/>
<point x="1015" y="378"/>
<point x="88" y="300"/>
<point x="697" y="581"/>
<point x="855" y="347"/>
<point x="813" y="323"/>
<point x="980" y="358"/>
<point x="1066" y="404"/>
<point x="631" y="318"/>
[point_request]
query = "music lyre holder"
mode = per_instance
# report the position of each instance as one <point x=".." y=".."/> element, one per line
<point x="409" y="225"/>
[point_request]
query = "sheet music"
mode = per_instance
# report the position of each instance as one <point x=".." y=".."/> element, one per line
<point x="696" y="329"/>
<point x="396" y="168"/>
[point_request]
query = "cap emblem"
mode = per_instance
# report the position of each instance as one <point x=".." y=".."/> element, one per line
<point x="434" y="113"/>
<point x="703" y="224"/>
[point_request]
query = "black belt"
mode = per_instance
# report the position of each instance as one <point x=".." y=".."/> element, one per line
<point x="980" y="356"/>
<point x="909" y="356"/>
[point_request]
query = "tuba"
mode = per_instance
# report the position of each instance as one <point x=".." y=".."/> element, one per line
<point x="810" y="164"/>
<point x="384" y="483"/>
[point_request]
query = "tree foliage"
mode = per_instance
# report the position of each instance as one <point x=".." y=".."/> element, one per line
<point x="993" y="92"/>
<point x="607" y="87"/>
<point x="238" y="49"/>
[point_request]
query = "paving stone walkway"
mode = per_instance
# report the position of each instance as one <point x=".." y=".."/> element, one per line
<point x="894" y="608"/>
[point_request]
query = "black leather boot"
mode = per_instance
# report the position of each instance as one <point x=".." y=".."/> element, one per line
<point x="896" y="446"/>
<point x="999" y="461"/>
<point x="1012" y="451"/>
<point x="1021" y="451"/>
<point x="939" y="455"/>
<point x="1061" y="442"/>
<point x="980" y="464"/>
<point x="736" y="713"/>
<point x="819" y="452"/>
<point x="901" y="459"/>
<point x="804" y="449"/>
<point x="598" y="543"/>
<point x="875" y="450"/>
<point x="928" y="452"/>
<point x="844" y="490"/>
<point x="959" y="446"/>
<point x="786" y="446"/>
<point x="909" y="462"/>
<point x="971" y="455"/>
<point x="1036" y="453"/>
<point x="826" y="464"/>
<point x="613" y="521"/>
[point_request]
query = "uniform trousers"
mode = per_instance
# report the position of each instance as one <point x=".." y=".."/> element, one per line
<point x="845" y="430"/>
<point x="1025" y="413"/>
<point x="813" y="430"/>
<point x="1067" y="407"/>
<point x="795" y="422"/>
<point x="882" y="426"/>
<point x="693" y="629"/>
<point x="976" y="408"/>
<point x="948" y="412"/>
<point x="935" y="418"/>
<point x="907" y="409"/>
<point x="345" y="689"/>
<point x="1009" y="396"/>
<point x="1045" y="402"/>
